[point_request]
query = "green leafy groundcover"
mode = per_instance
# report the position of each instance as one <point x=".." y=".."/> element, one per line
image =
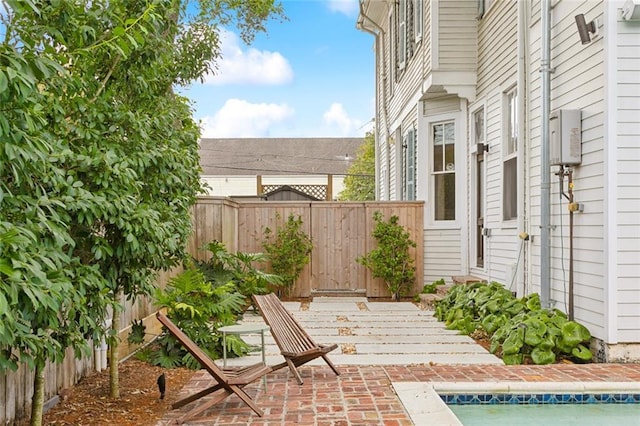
<point x="519" y="327"/>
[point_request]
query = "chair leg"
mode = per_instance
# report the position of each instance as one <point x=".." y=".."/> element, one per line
<point x="333" y="367"/>
<point x="294" y="371"/>
<point x="246" y="398"/>
<point x="205" y="405"/>
<point x="195" y="396"/>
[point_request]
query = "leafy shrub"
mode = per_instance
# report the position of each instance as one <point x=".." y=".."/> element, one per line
<point x="391" y="260"/>
<point x="519" y="328"/>
<point x="289" y="249"/>
<point x="199" y="308"/>
<point x="206" y="296"/>
<point x="239" y="269"/>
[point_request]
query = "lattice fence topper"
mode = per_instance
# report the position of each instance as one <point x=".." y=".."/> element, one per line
<point x="317" y="191"/>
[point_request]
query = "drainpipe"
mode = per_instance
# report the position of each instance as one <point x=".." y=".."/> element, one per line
<point x="378" y="33"/>
<point x="523" y="140"/>
<point x="545" y="167"/>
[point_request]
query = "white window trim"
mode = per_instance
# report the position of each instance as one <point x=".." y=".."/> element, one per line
<point x="402" y="34"/>
<point x="473" y="183"/>
<point x="457" y="171"/>
<point x="508" y="156"/>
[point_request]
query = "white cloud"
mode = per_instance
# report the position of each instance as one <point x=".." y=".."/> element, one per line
<point x="251" y="66"/>
<point x="337" y="116"/>
<point x="241" y="119"/>
<point x="347" y="7"/>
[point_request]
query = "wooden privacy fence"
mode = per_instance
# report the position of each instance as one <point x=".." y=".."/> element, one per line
<point x="341" y="232"/>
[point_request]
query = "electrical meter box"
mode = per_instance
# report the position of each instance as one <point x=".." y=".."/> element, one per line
<point x="565" y="141"/>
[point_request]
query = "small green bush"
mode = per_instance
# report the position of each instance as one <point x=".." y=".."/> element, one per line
<point x="289" y="250"/>
<point x="433" y="287"/>
<point x="391" y="260"/>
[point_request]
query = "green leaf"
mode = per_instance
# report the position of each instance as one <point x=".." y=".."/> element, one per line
<point x="582" y="353"/>
<point x="4" y="306"/>
<point x="4" y="82"/>
<point x="574" y="333"/>
<point x="118" y="31"/>
<point x="542" y="356"/>
<point x="513" y="359"/>
<point x="514" y="341"/>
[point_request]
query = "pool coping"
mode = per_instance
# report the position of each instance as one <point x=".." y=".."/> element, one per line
<point x="423" y="404"/>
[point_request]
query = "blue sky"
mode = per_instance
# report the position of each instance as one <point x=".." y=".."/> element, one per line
<point x="309" y="76"/>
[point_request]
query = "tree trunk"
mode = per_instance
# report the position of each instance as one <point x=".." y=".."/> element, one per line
<point x="114" y="385"/>
<point x="37" y="401"/>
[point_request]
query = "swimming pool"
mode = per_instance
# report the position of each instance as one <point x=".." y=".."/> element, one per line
<point x="494" y="403"/>
<point x="595" y="414"/>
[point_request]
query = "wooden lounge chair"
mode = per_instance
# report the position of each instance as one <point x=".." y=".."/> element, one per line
<point x="296" y="346"/>
<point x="229" y="381"/>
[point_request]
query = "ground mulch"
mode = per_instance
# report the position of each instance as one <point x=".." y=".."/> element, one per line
<point x="88" y="402"/>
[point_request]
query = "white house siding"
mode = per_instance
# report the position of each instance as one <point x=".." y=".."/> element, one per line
<point x="497" y="72"/>
<point x="576" y="83"/>
<point x="440" y="104"/>
<point x="497" y="46"/>
<point x="627" y="171"/>
<point x="441" y="254"/>
<point x="457" y="35"/>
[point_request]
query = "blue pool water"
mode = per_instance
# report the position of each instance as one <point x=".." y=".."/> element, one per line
<point x="546" y="409"/>
<point x="549" y="415"/>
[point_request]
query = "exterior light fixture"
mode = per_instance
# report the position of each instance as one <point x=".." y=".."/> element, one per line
<point x="585" y="29"/>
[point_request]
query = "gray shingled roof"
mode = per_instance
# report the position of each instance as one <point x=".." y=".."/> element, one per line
<point x="277" y="156"/>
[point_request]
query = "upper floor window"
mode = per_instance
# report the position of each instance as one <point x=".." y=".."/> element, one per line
<point x="510" y="157"/>
<point x="418" y="17"/>
<point x="409" y="146"/>
<point x="444" y="170"/>
<point x="405" y="31"/>
<point x="401" y="50"/>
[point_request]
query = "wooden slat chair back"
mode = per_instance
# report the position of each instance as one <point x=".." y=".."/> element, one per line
<point x="229" y="381"/>
<point x="295" y="344"/>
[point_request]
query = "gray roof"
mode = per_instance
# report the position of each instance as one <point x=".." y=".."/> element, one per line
<point x="277" y="156"/>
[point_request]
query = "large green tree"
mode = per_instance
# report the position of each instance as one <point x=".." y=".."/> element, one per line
<point x="98" y="160"/>
<point x="360" y="183"/>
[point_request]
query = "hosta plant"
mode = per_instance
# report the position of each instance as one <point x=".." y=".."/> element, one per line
<point x="519" y="328"/>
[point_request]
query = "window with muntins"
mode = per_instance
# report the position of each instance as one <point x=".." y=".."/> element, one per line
<point x="444" y="171"/>
<point x="510" y="158"/>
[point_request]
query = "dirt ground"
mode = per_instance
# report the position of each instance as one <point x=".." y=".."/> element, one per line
<point x="88" y="402"/>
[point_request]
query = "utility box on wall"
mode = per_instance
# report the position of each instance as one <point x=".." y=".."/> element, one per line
<point x="565" y="142"/>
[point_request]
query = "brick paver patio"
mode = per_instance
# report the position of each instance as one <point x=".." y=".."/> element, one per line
<point x="363" y="395"/>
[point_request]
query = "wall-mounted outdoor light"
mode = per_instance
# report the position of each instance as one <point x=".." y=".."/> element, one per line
<point x="585" y="29"/>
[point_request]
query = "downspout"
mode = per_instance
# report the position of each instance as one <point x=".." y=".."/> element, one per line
<point x="545" y="168"/>
<point x="523" y="138"/>
<point x="378" y="33"/>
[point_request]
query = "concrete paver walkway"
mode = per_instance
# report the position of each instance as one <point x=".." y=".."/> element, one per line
<point x="375" y="333"/>
<point x="388" y="353"/>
